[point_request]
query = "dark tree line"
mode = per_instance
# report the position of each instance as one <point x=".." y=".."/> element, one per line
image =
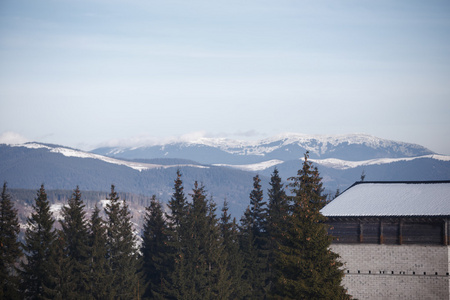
<point x="278" y="250"/>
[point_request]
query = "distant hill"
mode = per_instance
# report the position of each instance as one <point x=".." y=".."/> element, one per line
<point x="30" y="165"/>
<point x="226" y="168"/>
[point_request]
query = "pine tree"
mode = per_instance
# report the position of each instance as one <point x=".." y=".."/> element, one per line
<point x="10" y="251"/>
<point x="194" y="246"/>
<point x="249" y="254"/>
<point x="121" y="247"/>
<point x="277" y="213"/>
<point x="255" y="243"/>
<point x="76" y="238"/>
<point x="100" y="274"/>
<point x="178" y="206"/>
<point x="39" y="239"/>
<point x="207" y="276"/>
<point x="217" y="274"/>
<point x="198" y="262"/>
<point x="338" y="192"/>
<point x="257" y="208"/>
<point x="175" y="285"/>
<point x="278" y="207"/>
<point x="233" y="256"/>
<point x="307" y="268"/>
<point x="61" y="283"/>
<point x="154" y="251"/>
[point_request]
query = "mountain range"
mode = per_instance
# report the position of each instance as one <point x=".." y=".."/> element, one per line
<point x="352" y="147"/>
<point x="226" y="167"/>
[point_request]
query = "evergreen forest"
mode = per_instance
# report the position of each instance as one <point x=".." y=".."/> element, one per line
<point x="279" y="249"/>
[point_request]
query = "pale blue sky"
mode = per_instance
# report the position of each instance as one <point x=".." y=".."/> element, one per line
<point x="82" y="73"/>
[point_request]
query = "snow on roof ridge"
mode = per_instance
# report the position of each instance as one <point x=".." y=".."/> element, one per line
<point x="403" y="182"/>
<point x="392" y="198"/>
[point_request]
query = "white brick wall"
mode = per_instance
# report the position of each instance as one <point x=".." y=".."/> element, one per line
<point x="395" y="271"/>
<point x="397" y="287"/>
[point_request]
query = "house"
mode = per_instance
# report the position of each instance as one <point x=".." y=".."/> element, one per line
<point x="393" y="238"/>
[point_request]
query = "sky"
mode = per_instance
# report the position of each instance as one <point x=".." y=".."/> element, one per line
<point x="87" y="73"/>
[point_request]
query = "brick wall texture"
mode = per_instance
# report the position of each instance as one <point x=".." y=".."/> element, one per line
<point x="395" y="271"/>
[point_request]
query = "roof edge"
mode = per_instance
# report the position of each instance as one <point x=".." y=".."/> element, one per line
<point x="396" y="182"/>
<point x="371" y="217"/>
<point x="407" y="182"/>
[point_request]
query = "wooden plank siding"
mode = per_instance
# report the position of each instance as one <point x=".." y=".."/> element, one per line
<point x="422" y="233"/>
<point x="389" y="230"/>
<point x="391" y="233"/>
<point x="344" y="232"/>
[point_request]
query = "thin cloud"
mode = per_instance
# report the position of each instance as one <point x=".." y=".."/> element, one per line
<point x="146" y="140"/>
<point x="10" y="137"/>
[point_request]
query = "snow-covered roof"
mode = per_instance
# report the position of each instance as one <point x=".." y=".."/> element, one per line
<point x="365" y="199"/>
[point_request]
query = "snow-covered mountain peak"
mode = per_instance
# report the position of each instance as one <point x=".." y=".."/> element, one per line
<point x="297" y="138"/>
<point x="354" y="138"/>
<point x="317" y="144"/>
<point x="222" y="143"/>
<point x="286" y="146"/>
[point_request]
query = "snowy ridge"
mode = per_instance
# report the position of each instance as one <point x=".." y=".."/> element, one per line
<point x="81" y="154"/>
<point x="343" y="164"/>
<point x="320" y="144"/>
<point x="317" y="144"/>
<point x="334" y="162"/>
<point x="254" y="167"/>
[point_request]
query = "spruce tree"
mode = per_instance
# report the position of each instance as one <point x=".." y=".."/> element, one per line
<point x="61" y="283"/>
<point x="178" y="207"/>
<point x="198" y="261"/>
<point x="203" y="250"/>
<point x="75" y="235"/>
<point x="194" y="247"/>
<point x="255" y="243"/>
<point x="338" y="192"/>
<point x="258" y="208"/>
<point x="39" y="239"/>
<point x="217" y="273"/>
<point x="249" y="253"/>
<point x="278" y="207"/>
<point x="175" y="284"/>
<point x="154" y="260"/>
<point x="121" y="245"/>
<point x="10" y="251"/>
<point x="307" y="268"/>
<point x="233" y="256"/>
<point x="100" y="274"/>
<point x="277" y="212"/>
